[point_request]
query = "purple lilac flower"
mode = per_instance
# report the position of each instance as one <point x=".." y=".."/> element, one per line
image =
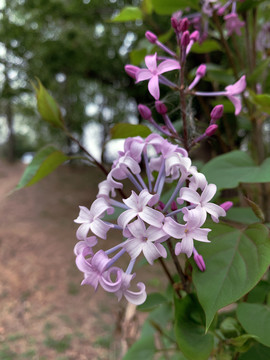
<point x="144" y="221"/>
<point x="232" y="92"/>
<point x="233" y="24"/>
<point x="153" y="72"/>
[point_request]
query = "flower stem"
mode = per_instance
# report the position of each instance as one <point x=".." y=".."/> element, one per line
<point x="177" y="265"/>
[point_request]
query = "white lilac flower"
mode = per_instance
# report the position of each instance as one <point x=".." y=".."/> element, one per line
<point x="145" y="222"/>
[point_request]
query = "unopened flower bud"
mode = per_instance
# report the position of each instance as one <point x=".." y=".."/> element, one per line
<point x="195" y="36"/>
<point x="144" y="111"/>
<point x="221" y="11"/>
<point x="174" y="206"/>
<point x="211" y="130"/>
<point x="217" y="112"/>
<point x="185" y="39"/>
<point x="183" y="25"/>
<point x="226" y="205"/>
<point x="199" y="262"/>
<point x="151" y="37"/>
<point x="161" y="108"/>
<point x="174" y="22"/>
<point x="161" y="205"/>
<point x="131" y="70"/>
<point x="201" y="70"/>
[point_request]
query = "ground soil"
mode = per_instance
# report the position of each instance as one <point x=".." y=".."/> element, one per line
<point x="44" y="312"/>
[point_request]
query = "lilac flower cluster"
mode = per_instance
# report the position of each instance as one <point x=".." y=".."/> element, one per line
<point x="146" y="220"/>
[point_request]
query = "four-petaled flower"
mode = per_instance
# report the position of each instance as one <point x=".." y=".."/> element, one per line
<point x="233" y="24"/>
<point x="187" y="232"/>
<point x="153" y="71"/>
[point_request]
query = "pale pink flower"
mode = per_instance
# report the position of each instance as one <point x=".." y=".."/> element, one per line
<point x="90" y="219"/>
<point x="137" y="205"/>
<point x="133" y="297"/>
<point x="233" y="92"/>
<point x="233" y="24"/>
<point x="187" y="232"/>
<point x="145" y="240"/>
<point x="202" y="201"/>
<point x="153" y="71"/>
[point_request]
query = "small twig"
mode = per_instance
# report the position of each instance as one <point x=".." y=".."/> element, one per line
<point x="177" y="265"/>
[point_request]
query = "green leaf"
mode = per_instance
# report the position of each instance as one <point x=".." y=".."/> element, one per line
<point x="259" y="293"/>
<point x="152" y="301"/>
<point x="45" y="161"/>
<point x="262" y="101"/>
<point x="124" y="130"/>
<point x="228" y="170"/>
<point x="47" y="106"/>
<point x="230" y="327"/>
<point x="144" y="348"/>
<point x="147" y="7"/>
<point x="255" y="319"/>
<point x="189" y="329"/>
<point x="128" y="13"/>
<point x="206" y="47"/>
<point x="137" y="56"/>
<point x="235" y="261"/>
<point x="241" y="340"/>
<point x="256" y="209"/>
<point x="257" y="352"/>
<point x="167" y="7"/>
<point x="241" y="215"/>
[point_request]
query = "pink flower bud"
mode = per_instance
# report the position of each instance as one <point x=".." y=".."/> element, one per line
<point x="199" y="262"/>
<point x="183" y="25"/>
<point x="221" y="11"/>
<point x="151" y="37"/>
<point x="226" y="205"/>
<point x="131" y="70"/>
<point x="144" y="111"/>
<point x="185" y="39"/>
<point x="161" y="205"/>
<point x="174" y="206"/>
<point x="174" y="23"/>
<point x="195" y="35"/>
<point x="211" y="130"/>
<point x="201" y="70"/>
<point x="217" y="112"/>
<point x="161" y="108"/>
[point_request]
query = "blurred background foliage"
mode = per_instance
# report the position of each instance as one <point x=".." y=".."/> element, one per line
<point x="78" y="49"/>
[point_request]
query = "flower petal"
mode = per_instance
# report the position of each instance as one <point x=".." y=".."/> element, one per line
<point x="208" y="193"/>
<point x="151" y="216"/>
<point x="174" y="229"/>
<point x="136" y="298"/>
<point x="126" y="217"/>
<point x="143" y="74"/>
<point x="151" y="62"/>
<point x="153" y="87"/>
<point x="168" y="65"/>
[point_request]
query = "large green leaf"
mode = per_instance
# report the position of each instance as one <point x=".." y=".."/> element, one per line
<point x="257" y="352"/>
<point x="189" y="329"/>
<point x="242" y="215"/>
<point x="47" y="106"/>
<point x="125" y="130"/>
<point x="169" y="6"/>
<point x="255" y="319"/>
<point x="235" y="261"/>
<point x="45" y="161"/>
<point x="228" y="170"/>
<point x="128" y="13"/>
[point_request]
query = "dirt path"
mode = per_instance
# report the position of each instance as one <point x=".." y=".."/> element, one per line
<point x="45" y="314"/>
